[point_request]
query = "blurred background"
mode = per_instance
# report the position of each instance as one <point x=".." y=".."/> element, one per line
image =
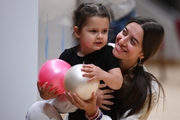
<point x="32" y="32"/>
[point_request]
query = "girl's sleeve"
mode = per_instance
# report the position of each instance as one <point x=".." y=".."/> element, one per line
<point x="111" y="60"/>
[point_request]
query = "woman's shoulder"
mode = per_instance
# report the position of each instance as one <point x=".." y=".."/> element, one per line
<point x="111" y="44"/>
<point x="154" y="83"/>
<point x="154" y="86"/>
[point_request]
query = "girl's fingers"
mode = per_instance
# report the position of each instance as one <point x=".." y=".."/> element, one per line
<point x="49" y="87"/>
<point x="38" y="86"/>
<point x="87" y="68"/>
<point x="44" y="85"/>
<point x="54" y="91"/>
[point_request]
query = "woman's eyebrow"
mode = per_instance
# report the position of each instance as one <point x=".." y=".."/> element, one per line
<point x="133" y="36"/>
<point x="126" y="29"/>
<point x="136" y="40"/>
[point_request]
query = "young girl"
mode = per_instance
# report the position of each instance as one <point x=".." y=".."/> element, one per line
<point x="91" y="25"/>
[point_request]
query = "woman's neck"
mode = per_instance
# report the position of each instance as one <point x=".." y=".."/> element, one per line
<point x="126" y="65"/>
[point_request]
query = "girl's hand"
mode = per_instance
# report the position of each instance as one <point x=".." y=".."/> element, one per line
<point x="47" y="92"/>
<point x="89" y="105"/>
<point x="103" y="96"/>
<point x="93" y="72"/>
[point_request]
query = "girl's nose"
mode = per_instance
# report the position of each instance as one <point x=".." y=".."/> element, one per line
<point x="99" y="35"/>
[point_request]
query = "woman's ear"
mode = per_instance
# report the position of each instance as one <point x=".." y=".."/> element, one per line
<point x="76" y="32"/>
<point x="141" y="56"/>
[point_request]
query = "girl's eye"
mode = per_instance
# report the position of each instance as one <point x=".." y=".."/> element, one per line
<point x="93" y="31"/>
<point x="104" y="31"/>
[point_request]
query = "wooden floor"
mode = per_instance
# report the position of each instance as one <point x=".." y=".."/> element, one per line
<point x="168" y="74"/>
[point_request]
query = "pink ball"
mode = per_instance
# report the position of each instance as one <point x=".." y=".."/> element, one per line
<point x="53" y="71"/>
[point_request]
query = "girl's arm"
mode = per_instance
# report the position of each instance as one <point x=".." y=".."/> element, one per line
<point x="113" y="78"/>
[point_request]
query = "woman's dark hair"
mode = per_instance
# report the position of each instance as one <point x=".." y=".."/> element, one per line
<point x="86" y="10"/>
<point x="135" y="89"/>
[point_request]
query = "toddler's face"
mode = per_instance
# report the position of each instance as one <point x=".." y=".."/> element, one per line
<point x="94" y="34"/>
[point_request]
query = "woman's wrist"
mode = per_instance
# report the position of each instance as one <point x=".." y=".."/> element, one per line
<point x="91" y="111"/>
<point x="96" y="116"/>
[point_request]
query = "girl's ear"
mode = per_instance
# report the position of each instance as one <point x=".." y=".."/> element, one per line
<point x="76" y="32"/>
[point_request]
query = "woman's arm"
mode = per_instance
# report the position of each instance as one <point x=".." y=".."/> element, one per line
<point x="92" y="111"/>
<point x="89" y="106"/>
<point x="104" y="96"/>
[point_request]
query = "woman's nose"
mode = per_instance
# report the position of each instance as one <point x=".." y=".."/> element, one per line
<point x="118" y="37"/>
<point x="122" y="40"/>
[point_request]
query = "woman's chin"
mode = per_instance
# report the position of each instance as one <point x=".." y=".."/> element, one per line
<point x="115" y="53"/>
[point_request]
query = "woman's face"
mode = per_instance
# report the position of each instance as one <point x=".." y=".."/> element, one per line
<point x="129" y="43"/>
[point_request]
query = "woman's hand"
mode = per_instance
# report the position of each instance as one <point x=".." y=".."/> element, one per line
<point x="47" y="92"/>
<point x="89" y="105"/>
<point x="103" y="97"/>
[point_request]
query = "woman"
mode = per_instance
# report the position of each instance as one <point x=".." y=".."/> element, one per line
<point x="140" y="92"/>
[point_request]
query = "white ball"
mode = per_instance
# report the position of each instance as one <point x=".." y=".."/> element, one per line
<point x="75" y="82"/>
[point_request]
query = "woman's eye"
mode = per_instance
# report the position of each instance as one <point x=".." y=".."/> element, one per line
<point x="124" y="32"/>
<point x="133" y="42"/>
